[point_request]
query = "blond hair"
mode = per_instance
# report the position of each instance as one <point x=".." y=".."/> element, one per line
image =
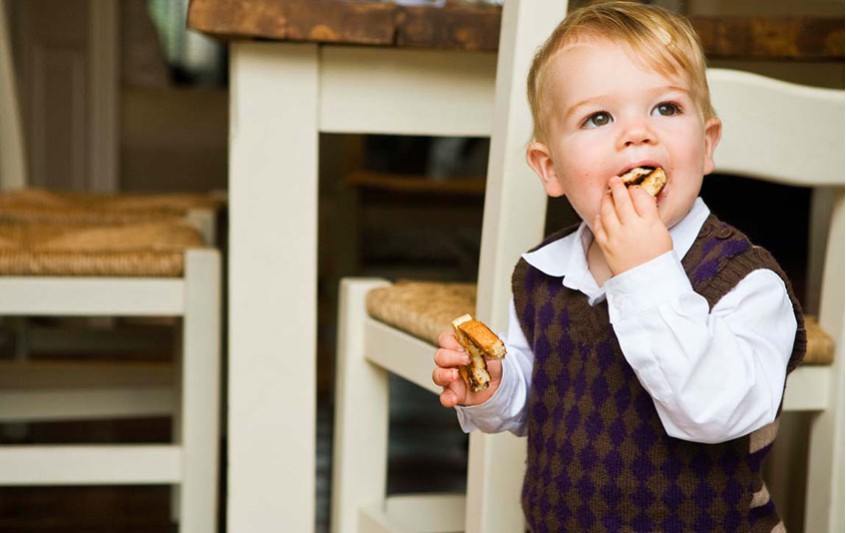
<point x="666" y="42"/>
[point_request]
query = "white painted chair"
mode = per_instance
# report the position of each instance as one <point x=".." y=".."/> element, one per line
<point x="188" y="290"/>
<point x="369" y="349"/>
<point x="181" y="281"/>
<point x="151" y="389"/>
<point x="773" y="131"/>
<point x="790" y="134"/>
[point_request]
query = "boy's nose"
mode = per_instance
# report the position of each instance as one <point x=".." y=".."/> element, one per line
<point x="636" y="134"/>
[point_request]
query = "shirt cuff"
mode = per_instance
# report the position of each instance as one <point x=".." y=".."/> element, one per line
<point x="646" y="286"/>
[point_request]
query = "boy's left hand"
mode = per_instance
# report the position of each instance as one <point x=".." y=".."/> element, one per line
<point x="628" y="229"/>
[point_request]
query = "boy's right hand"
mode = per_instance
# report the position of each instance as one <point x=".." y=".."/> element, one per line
<point x="448" y="358"/>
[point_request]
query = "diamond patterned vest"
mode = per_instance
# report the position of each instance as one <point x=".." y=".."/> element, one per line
<point x="598" y="457"/>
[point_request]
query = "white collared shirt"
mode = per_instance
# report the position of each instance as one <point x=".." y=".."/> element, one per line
<point x="713" y="375"/>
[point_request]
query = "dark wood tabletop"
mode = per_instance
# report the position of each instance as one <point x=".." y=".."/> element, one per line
<point x="464" y="26"/>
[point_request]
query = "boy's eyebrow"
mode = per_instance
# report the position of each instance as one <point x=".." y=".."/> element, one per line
<point x="679" y="89"/>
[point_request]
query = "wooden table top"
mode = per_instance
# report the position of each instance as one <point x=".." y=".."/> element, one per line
<point x="461" y="26"/>
<point x="454" y="26"/>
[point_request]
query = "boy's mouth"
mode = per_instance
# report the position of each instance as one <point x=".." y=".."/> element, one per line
<point x="649" y="178"/>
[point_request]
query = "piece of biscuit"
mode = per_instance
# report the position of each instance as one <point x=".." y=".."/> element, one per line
<point x="478" y="341"/>
<point x="652" y="180"/>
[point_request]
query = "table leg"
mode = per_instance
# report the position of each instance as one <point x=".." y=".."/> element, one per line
<point x="272" y="287"/>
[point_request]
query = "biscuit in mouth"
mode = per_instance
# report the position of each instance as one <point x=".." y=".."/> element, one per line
<point x="650" y="179"/>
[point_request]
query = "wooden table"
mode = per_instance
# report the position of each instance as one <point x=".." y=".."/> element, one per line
<point x="302" y="67"/>
<point x="299" y="82"/>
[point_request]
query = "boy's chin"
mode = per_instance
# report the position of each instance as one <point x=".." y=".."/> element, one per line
<point x="671" y="217"/>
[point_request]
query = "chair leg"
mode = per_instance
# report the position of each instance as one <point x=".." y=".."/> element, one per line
<point x="19" y="334"/>
<point x="360" y="454"/>
<point x="494" y="479"/>
<point x="205" y="220"/>
<point x="824" y="493"/>
<point x="176" y="418"/>
<point x="200" y="393"/>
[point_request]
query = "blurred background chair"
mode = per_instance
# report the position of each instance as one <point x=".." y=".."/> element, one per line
<point x="99" y="275"/>
<point x="392" y="328"/>
<point x="22" y="205"/>
<point x="153" y="269"/>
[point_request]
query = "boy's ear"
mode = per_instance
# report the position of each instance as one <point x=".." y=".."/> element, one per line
<point x="540" y="159"/>
<point x="713" y="132"/>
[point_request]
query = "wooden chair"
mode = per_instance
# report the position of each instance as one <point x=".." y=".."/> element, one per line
<point x="360" y="450"/>
<point x="132" y="270"/>
<point x="94" y="255"/>
<point x="20" y="204"/>
<point x="773" y="131"/>
<point x="790" y="134"/>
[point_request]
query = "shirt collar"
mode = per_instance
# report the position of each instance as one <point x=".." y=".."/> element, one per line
<point x="567" y="257"/>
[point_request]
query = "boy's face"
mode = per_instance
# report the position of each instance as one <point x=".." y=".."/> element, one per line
<point x="609" y="112"/>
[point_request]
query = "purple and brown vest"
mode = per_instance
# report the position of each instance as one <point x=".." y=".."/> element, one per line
<point x="598" y="457"/>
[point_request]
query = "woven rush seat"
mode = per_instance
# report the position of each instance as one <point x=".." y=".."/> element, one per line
<point x="155" y="249"/>
<point x="43" y="206"/>
<point x="422" y="309"/>
<point x="426" y="309"/>
<point x="820" y="349"/>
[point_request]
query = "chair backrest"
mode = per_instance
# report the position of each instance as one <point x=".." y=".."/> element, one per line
<point x="514" y="213"/>
<point x="515" y="203"/>
<point x="778" y="131"/>
<point x="791" y="134"/>
<point x="786" y="133"/>
<point x="13" y="168"/>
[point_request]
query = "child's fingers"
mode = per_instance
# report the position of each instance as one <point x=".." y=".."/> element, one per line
<point x="452" y="395"/>
<point x="447" y="340"/>
<point x="598" y="231"/>
<point x="608" y="214"/>
<point x="446" y="358"/>
<point x="644" y="203"/>
<point x="622" y="201"/>
<point x="442" y="377"/>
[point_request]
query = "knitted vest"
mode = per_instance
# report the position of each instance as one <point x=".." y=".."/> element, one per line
<point x="598" y="457"/>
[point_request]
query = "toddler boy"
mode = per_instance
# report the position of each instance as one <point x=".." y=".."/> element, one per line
<point x="648" y="347"/>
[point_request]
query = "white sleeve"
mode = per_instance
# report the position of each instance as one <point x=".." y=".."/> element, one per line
<point x="506" y="409"/>
<point x="713" y="376"/>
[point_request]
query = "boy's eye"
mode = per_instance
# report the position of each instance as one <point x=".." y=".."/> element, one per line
<point x="667" y="109"/>
<point x="597" y="119"/>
